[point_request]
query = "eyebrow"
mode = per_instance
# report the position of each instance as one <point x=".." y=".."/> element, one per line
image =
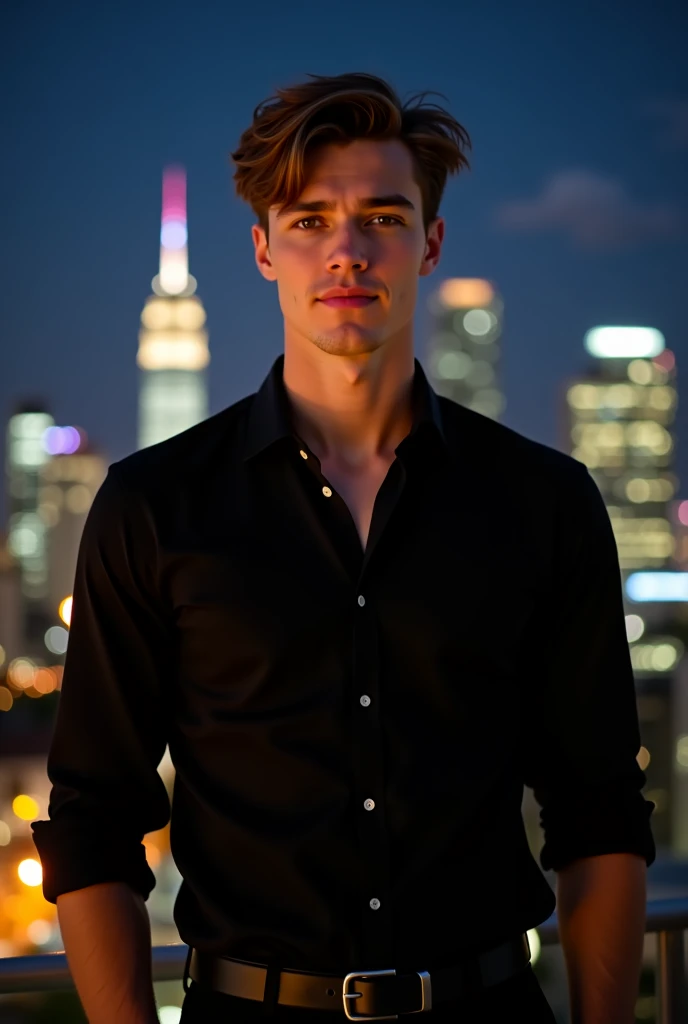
<point x="329" y="206"/>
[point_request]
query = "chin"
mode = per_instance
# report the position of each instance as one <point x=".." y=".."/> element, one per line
<point x="348" y="346"/>
<point x="347" y="341"/>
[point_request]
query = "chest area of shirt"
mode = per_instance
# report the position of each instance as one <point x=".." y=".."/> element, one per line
<point x="359" y="492"/>
<point x="259" y="578"/>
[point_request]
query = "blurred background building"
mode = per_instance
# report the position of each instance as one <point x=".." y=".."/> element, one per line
<point x="464" y="351"/>
<point x="69" y="482"/>
<point x="618" y="420"/>
<point x="173" y="344"/>
<point x="621" y="414"/>
<point x="27" y="541"/>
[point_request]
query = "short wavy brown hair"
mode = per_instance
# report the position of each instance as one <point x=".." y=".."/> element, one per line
<point x="272" y="157"/>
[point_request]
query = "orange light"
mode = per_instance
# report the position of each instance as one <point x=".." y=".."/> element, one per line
<point x="65" y="610"/>
<point x="153" y="855"/>
<point x="30" y="872"/>
<point x="20" y="672"/>
<point x="45" y="680"/>
<point x="464" y="292"/>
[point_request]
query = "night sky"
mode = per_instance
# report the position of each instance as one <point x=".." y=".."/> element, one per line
<point x="576" y="206"/>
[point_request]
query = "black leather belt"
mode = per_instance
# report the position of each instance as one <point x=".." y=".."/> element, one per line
<point x="363" y="995"/>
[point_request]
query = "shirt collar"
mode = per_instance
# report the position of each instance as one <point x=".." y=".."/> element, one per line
<point x="269" y="419"/>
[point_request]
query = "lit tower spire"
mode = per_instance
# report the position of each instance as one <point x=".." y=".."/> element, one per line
<point x="173" y="278"/>
<point x="173" y="345"/>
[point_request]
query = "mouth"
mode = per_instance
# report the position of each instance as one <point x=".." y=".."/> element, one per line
<point x="349" y="301"/>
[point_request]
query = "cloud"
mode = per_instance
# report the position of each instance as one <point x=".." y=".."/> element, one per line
<point x="673" y="116"/>
<point x="596" y="212"/>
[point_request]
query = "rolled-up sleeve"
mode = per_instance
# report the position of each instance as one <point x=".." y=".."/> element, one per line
<point x="582" y="721"/>
<point x="111" y="725"/>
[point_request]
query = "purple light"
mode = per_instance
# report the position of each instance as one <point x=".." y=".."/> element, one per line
<point x="52" y="440"/>
<point x="61" y="440"/>
<point x="71" y="440"/>
<point x="174" y="194"/>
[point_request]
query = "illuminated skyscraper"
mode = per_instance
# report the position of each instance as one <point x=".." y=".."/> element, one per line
<point x="620" y="416"/>
<point x="69" y="482"/>
<point x="173" y="345"/>
<point x="26" y="455"/>
<point x="464" y="350"/>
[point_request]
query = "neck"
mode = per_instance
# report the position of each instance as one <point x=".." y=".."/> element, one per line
<point x="350" y="410"/>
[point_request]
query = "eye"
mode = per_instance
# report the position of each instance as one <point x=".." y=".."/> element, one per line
<point x="388" y="217"/>
<point x="305" y="221"/>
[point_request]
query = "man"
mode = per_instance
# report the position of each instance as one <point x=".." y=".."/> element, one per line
<point x="362" y="617"/>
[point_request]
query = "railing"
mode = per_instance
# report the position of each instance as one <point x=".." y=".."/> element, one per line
<point x="667" y="919"/>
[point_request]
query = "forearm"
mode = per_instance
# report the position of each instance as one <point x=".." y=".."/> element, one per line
<point x="601" y="912"/>
<point x="106" y="934"/>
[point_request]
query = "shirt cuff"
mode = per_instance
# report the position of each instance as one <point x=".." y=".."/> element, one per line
<point x="592" y="827"/>
<point x="74" y="858"/>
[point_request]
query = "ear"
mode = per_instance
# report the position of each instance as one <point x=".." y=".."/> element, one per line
<point x="433" y="247"/>
<point x="262" y="253"/>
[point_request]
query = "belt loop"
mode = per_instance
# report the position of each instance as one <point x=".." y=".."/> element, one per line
<point x="272" y="984"/>
<point x="185" y="978"/>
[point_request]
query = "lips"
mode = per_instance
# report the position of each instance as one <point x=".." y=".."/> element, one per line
<point x="349" y="301"/>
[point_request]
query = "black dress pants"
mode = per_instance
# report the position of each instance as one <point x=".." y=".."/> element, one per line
<point x="519" y="999"/>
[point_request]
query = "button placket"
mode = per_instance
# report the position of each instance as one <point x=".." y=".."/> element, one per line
<point x="377" y="937"/>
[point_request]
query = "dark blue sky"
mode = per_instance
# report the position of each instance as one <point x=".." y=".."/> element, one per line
<point x="576" y="205"/>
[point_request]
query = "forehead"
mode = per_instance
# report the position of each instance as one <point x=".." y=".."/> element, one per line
<point x="365" y="167"/>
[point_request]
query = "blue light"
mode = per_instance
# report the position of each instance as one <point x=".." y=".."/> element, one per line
<point x="657" y="586"/>
<point x="173" y="234"/>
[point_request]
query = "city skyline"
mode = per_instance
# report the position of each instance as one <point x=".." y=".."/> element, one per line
<point x="575" y="207"/>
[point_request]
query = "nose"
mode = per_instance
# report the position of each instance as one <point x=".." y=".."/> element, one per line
<point x="348" y="252"/>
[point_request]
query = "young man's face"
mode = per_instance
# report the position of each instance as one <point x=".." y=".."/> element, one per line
<point x="358" y="224"/>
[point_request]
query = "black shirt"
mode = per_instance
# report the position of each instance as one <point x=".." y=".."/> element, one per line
<point x="351" y="730"/>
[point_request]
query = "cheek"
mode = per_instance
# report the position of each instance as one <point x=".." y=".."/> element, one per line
<point x="404" y="260"/>
<point x="293" y="275"/>
<point x="403" y="272"/>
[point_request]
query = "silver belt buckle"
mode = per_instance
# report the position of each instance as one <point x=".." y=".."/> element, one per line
<point x="350" y="979"/>
<point x="348" y="995"/>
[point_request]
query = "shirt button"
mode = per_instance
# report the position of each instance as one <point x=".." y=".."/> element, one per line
<point x="302" y="454"/>
<point x="369" y="804"/>
<point x="361" y="600"/>
<point x="375" y="904"/>
<point x="365" y="700"/>
<point x="327" y="492"/>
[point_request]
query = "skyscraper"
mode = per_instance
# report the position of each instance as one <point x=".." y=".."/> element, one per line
<point x="464" y="351"/>
<point x="27" y="534"/>
<point x="173" y="345"/>
<point x="620" y="416"/>
<point x="69" y="483"/>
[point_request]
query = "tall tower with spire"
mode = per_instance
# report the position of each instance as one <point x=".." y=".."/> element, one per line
<point x="173" y="344"/>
